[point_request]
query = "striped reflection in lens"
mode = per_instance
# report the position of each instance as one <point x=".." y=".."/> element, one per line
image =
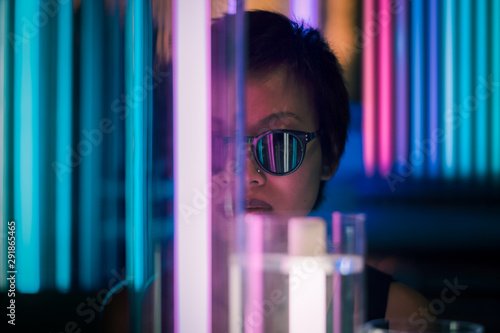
<point x="279" y="153"/>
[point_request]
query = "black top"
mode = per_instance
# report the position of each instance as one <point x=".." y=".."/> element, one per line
<point x="377" y="290"/>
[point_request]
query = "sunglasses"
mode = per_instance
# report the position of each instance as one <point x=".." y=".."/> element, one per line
<point x="280" y="152"/>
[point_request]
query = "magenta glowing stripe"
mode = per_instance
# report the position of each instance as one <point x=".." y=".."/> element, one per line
<point x="385" y="89"/>
<point x="192" y="232"/>
<point x="401" y="82"/>
<point x="433" y="87"/>
<point x="369" y="97"/>
<point x="254" y="279"/>
<point x="306" y="11"/>
<point x="337" y="287"/>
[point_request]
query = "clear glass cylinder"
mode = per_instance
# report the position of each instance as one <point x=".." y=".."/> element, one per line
<point x="298" y="274"/>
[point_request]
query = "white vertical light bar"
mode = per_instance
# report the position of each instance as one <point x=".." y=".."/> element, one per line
<point x="192" y="165"/>
<point x="307" y="306"/>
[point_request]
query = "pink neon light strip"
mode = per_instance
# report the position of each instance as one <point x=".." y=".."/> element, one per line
<point x="337" y="287"/>
<point x="255" y="283"/>
<point x="369" y="100"/>
<point x="385" y="84"/>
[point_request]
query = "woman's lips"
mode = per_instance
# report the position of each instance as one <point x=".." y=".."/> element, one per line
<point x="254" y="205"/>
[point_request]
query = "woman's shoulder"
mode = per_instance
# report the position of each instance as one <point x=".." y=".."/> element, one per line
<point x="388" y="298"/>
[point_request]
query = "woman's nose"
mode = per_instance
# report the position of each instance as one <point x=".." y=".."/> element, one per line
<point x="254" y="175"/>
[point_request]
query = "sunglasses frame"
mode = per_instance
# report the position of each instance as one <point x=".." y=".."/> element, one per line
<point x="303" y="137"/>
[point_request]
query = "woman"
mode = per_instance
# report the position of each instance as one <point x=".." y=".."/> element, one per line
<point x="294" y="83"/>
<point x="294" y="86"/>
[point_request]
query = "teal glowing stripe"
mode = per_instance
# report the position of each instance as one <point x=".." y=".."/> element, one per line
<point x="64" y="110"/>
<point x="495" y="101"/>
<point x="294" y="153"/>
<point x="261" y="155"/>
<point x="4" y="19"/>
<point x="89" y="144"/>
<point x="481" y="158"/>
<point x="449" y="27"/>
<point x="465" y="91"/>
<point x="417" y="91"/>
<point x="26" y="149"/>
<point x="135" y="149"/>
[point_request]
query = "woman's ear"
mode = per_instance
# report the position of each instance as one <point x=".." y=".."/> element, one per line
<point x="328" y="170"/>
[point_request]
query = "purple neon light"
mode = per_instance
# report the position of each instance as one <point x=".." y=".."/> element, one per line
<point x="337" y="286"/>
<point x="401" y="84"/>
<point x="306" y="11"/>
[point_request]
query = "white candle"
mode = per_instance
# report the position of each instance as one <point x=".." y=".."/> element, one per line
<point x="307" y="289"/>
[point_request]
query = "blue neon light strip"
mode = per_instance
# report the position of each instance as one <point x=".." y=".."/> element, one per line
<point x="4" y="22"/>
<point x="89" y="150"/>
<point x="449" y="25"/>
<point x="401" y="82"/>
<point x="64" y="111"/>
<point x="26" y="151"/>
<point x="495" y="100"/>
<point x="433" y="88"/>
<point x="481" y="158"/>
<point x="465" y="91"/>
<point x="417" y="84"/>
<point x="135" y="135"/>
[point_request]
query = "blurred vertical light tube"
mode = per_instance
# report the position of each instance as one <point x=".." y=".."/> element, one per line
<point x="449" y="26"/>
<point x="433" y="88"/>
<point x="482" y="92"/>
<point x="306" y="11"/>
<point x="89" y="145"/>
<point x="135" y="150"/>
<point x="192" y="165"/>
<point x="337" y="280"/>
<point x="465" y="91"/>
<point x="4" y="19"/>
<point x="370" y="32"/>
<point x="401" y="81"/>
<point x="26" y="148"/>
<point x="385" y="83"/>
<point x="495" y="101"/>
<point x="254" y="281"/>
<point x="417" y="83"/>
<point x="64" y="110"/>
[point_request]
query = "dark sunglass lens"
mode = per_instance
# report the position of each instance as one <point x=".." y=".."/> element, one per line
<point x="279" y="153"/>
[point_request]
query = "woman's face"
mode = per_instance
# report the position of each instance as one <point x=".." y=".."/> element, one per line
<point x="278" y="101"/>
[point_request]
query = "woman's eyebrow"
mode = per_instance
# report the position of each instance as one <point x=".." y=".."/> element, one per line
<point x="276" y="119"/>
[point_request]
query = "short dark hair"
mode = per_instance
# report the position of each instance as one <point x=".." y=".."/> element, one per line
<point x="276" y="42"/>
